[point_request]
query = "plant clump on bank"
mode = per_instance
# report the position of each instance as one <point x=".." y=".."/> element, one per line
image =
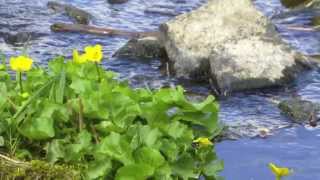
<point x="79" y="115"/>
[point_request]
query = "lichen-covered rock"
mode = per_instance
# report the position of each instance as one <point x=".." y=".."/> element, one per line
<point x="142" y="48"/>
<point x="300" y="111"/>
<point x="231" y="43"/>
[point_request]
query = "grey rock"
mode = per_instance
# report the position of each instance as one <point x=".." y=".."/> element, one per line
<point x="300" y="111"/>
<point x="231" y="44"/>
<point x="142" y="48"/>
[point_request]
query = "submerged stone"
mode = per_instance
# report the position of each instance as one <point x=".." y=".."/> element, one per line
<point x="300" y="111"/>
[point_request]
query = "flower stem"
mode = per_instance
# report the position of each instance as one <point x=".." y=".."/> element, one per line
<point x="278" y="178"/>
<point x="98" y="72"/>
<point x="80" y="114"/>
<point x="20" y="82"/>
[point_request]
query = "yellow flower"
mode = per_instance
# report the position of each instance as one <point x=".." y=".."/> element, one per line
<point x="202" y="141"/>
<point x="20" y="63"/>
<point x="279" y="171"/>
<point x="94" y="53"/>
<point x="78" y="58"/>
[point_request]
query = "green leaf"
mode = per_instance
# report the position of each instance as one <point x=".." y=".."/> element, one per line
<point x="38" y="128"/>
<point x="163" y="173"/>
<point x="134" y="172"/>
<point x="117" y="147"/>
<point x="149" y="156"/>
<point x="55" y="150"/>
<point x="82" y="85"/>
<point x="3" y="92"/>
<point x="1" y="141"/>
<point x="40" y="125"/>
<point x="213" y="168"/>
<point x="56" y="65"/>
<point x="184" y="167"/>
<point x="123" y="110"/>
<point x="170" y="149"/>
<point x="98" y="169"/>
<point x="178" y="130"/>
<point x="76" y="151"/>
<point x="106" y="127"/>
<point x="18" y="116"/>
<point x="149" y="136"/>
<point x="61" y="87"/>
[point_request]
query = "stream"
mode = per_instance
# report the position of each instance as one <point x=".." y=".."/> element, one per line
<point x="290" y="145"/>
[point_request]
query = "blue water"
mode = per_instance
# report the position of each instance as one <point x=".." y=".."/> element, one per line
<point x="289" y="145"/>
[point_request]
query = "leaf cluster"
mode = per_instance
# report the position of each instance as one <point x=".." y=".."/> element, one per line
<point x="104" y="127"/>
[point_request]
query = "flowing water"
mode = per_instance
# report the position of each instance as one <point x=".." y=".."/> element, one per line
<point x="290" y="145"/>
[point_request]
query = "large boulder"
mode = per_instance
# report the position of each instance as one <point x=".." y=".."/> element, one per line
<point x="231" y="44"/>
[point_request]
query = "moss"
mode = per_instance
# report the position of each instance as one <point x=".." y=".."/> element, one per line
<point x="39" y="170"/>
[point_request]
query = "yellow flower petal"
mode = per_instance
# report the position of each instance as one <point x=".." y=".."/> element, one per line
<point x="203" y="141"/>
<point x="94" y="53"/>
<point x="78" y="58"/>
<point x="21" y="63"/>
<point x="279" y="171"/>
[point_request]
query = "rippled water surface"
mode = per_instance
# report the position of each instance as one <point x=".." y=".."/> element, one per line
<point x="246" y="159"/>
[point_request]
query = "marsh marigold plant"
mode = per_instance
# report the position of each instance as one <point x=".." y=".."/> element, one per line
<point x="75" y="112"/>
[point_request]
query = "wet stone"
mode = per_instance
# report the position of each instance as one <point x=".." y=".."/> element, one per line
<point x="300" y="111"/>
<point x="78" y="15"/>
<point x="143" y="48"/>
<point x="20" y="38"/>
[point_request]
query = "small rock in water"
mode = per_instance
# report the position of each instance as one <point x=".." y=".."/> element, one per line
<point x="117" y="1"/>
<point x="300" y="111"/>
<point x="79" y="15"/>
<point x="20" y="38"/>
<point x="161" y="11"/>
<point x="143" y="48"/>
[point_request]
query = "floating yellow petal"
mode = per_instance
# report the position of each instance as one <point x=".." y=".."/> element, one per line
<point x="78" y="58"/>
<point x="94" y="53"/>
<point x="21" y="63"/>
<point x="279" y="171"/>
<point x="202" y="141"/>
